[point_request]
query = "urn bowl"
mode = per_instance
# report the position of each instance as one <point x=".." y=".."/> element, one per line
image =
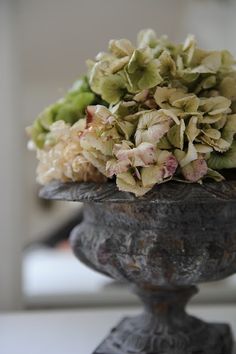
<point x="163" y="244"/>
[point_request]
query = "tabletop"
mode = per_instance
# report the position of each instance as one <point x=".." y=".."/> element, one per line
<point x="78" y="331"/>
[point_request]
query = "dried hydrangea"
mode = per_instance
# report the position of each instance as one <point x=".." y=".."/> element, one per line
<point x="143" y="115"/>
<point x="62" y="158"/>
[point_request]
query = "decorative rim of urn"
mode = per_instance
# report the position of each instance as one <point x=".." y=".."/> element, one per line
<point x="170" y="192"/>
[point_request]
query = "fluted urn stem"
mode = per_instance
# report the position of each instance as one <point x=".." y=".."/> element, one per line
<point x="166" y="303"/>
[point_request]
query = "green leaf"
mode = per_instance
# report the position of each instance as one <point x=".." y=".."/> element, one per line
<point x="214" y="175"/>
<point x="219" y="161"/>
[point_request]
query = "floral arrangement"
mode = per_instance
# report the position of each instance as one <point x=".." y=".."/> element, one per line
<point x="142" y="116"/>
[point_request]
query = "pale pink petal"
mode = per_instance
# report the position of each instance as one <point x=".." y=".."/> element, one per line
<point x="195" y="170"/>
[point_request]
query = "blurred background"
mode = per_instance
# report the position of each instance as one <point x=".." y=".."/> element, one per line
<point x="43" y="48"/>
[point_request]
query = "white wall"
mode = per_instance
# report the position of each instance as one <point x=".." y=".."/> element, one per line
<point x="43" y="47"/>
<point x="213" y="23"/>
<point x="11" y="183"/>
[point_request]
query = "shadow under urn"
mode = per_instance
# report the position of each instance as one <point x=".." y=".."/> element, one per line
<point x="163" y="244"/>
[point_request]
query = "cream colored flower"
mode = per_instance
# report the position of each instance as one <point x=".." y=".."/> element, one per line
<point x="62" y="158"/>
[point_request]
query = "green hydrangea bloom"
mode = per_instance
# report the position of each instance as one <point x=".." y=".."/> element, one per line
<point x="69" y="109"/>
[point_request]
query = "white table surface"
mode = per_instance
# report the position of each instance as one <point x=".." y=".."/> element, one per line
<point x="77" y="331"/>
<point x="54" y="278"/>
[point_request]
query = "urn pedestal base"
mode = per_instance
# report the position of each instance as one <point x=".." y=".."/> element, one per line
<point x="131" y="338"/>
<point x="165" y="328"/>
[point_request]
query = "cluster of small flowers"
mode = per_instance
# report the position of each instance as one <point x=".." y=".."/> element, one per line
<point x="61" y="159"/>
<point x="154" y="113"/>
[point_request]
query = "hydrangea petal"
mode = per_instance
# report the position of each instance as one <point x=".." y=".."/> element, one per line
<point x="220" y="123"/>
<point x="212" y="61"/>
<point x="118" y="64"/>
<point x="203" y="148"/>
<point x="169" y="113"/>
<point x="142" y="155"/>
<point x="139" y="58"/>
<point x="152" y="175"/>
<point x="219" y="145"/>
<point x="215" y="105"/>
<point x="189" y="47"/>
<point x="96" y="159"/>
<point x="112" y="88"/>
<point x="103" y="114"/>
<point x="166" y="64"/>
<point x="96" y="76"/>
<point x="190" y="156"/>
<point x="91" y="140"/>
<point x="188" y="75"/>
<point x="168" y="161"/>
<point x="195" y="170"/>
<point x="146" y="38"/>
<point x="114" y="167"/>
<point x="229" y="129"/>
<point x="212" y="133"/>
<point x="121" y="48"/>
<point x="164" y="96"/>
<point x="164" y="144"/>
<point x="227" y="87"/>
<point x="176" y="135"/>
<point x="192" y="130"/>
<point x="127" y="183"/>
<point x="227" y="59"/>
<point x="210" y="119"/>
<point x="150" y="77"/>
<point x="126" y="128"/>
<point x="122" y="108"/>
<point x="189" y="103"/>
<point x="151" y="127"/>
<point x="206" y="83"/>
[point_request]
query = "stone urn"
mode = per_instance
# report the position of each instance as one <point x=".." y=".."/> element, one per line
<point x="162" y="244"/>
